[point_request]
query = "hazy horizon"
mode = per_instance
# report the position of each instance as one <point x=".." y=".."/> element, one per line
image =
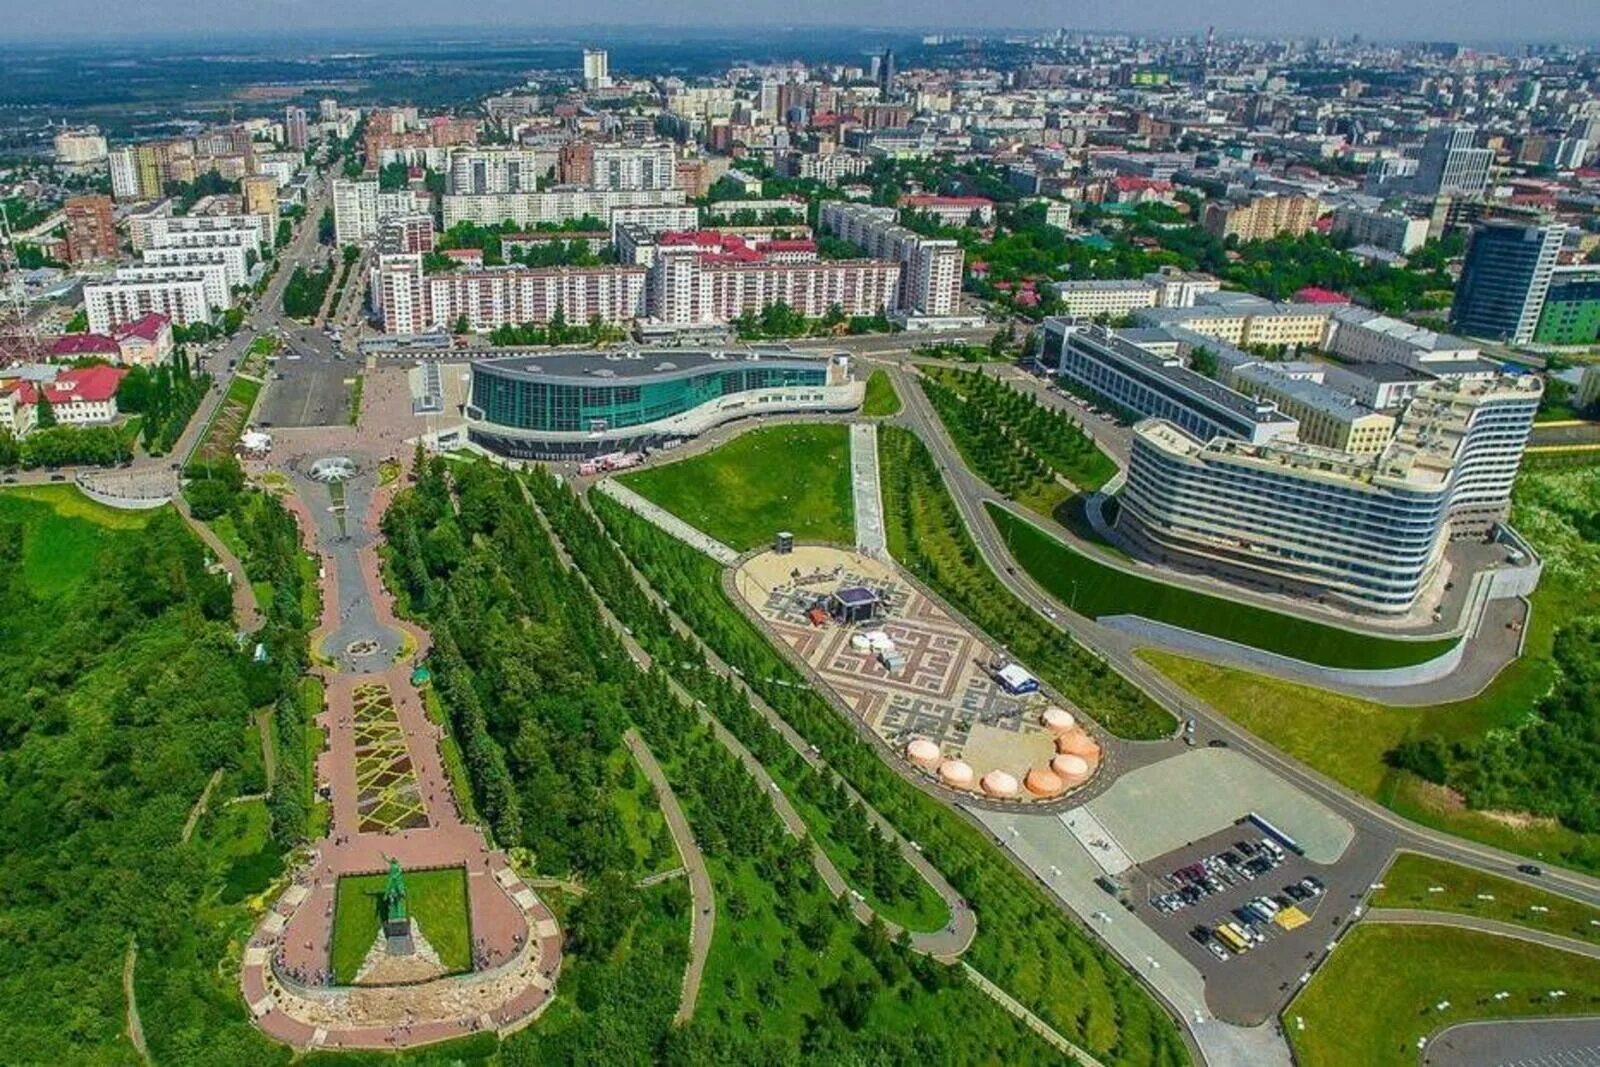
<point x="1466" y="21"/>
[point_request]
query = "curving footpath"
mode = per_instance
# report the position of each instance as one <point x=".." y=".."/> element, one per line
<point x="703" y="916"/>
<point x="948" y="941"/>
<point x="1498" y="927"/>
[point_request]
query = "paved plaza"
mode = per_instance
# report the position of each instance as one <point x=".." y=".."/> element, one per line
<point x="943" y="692"/>
<point x="391" y="796"/>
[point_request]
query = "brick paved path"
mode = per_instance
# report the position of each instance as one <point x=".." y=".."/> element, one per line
<point x="517" y="945"/>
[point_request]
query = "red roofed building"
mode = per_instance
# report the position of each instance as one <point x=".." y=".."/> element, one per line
<point x="85" y="345"/>
<point x="1313" y="294"/>
<point x="83" y="397"/>
<point x="952" y="210"/>
<point x="1132" y="189"/>
<point x="144" y="342"/>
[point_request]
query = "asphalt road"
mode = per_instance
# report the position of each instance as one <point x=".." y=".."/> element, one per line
<point x="1517" y="1043"/>
<point x="1117" y="649"/>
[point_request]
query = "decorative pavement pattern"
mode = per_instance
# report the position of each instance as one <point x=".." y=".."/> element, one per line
<point x="374" y="719"/>
<point x="387" y="795"/>
<point x="940" y="693"/>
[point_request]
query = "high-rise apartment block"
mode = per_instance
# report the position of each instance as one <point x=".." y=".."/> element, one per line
<point x="296" y="132"/>
<point x="355" y="210"/>
<point x="596" y="69"/>
<point x="1262" y="218"/>
<point x="78" y="148"/>
<point x="1450" y="165"/>
<point x="1505" y="280"/>
<point x="553" y="206"/>
<point x="930" y="268"/>
<point x="113" y="302"/>
<point x="479" y="170"/>
<point x="261" y="195"/>
<point x="633" y="166"/>
<point x="91" y="229"/>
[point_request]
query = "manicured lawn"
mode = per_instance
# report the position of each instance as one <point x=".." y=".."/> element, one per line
<point x="1094" y="589"/>
<point x="1417" y="881"/>
<point x="794" y="478"/>
<point x="881" y="399"/>
<point x="438" y="902"/>
<point x="1381" y="989"/>
<point x="63" y="532"/>
<point x="1346" y="738"/>
<point x="927" y="536"/>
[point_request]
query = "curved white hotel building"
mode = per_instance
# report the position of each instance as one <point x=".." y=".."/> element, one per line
<point x="1366" y="530"/>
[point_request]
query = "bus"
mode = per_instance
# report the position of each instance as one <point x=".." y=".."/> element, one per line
<point x="1228" y="934"/>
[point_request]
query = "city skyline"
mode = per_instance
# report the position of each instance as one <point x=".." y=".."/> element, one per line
<point x="1473" y="21"/>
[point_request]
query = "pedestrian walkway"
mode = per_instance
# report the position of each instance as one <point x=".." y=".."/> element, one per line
<point x="867" y="495"/>
<point x="1032" y="1021"/>
<point x="667" y="521"/>
<point x="703" y="910"/>
<point x="286" y="976"/>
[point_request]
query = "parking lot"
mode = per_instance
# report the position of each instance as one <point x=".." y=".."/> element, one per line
<point x="1186" y="894"/>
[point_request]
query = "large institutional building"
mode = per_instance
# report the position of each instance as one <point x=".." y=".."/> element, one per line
<point x="694" y="279"/>
<point x="566" y="405"/>
<point x="1286" y="478"/>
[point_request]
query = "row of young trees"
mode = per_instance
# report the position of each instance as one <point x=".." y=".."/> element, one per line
<point x="1023" y="943"/>
<point x="553" y="686"/>
<point x="779" y="320"/>
<point x="1022" y="423"/>
<point x="166" y="396"/>
<point x="558" y="331"/>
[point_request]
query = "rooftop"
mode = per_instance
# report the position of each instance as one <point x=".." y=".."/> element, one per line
<point x="586" y="366"/>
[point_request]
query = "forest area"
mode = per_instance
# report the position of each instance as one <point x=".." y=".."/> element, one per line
<point x="539" y="690"/>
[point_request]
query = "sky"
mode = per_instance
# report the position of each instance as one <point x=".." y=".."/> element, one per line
<point x="1457" y="20"/>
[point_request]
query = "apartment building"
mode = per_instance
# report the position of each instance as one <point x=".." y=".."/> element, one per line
<point x="689" y="286"/>
<point x="261" y="196"/>
<point x="91" y="229"/>
<point x="1261" y="218"/>
<point x="355" y="210"/>
<point x="213" y="278"/>
<point x="617" y="167"/>
<point x="412" y="302"/>
<point x="552" y="206"/>
<point x="111" y="302"/>
<point x="196" y="231"/>
<point x="234" y="260"/>
<point x="930" y="268"/>
<point x="79" y="148"/>
<point x="479" y="170"/>
<point x="399" y="234"/>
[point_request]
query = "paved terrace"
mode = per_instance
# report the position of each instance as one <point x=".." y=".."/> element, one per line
<point x="517" y="945"/>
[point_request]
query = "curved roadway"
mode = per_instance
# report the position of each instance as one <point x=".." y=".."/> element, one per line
<point x="969" y="493"/>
